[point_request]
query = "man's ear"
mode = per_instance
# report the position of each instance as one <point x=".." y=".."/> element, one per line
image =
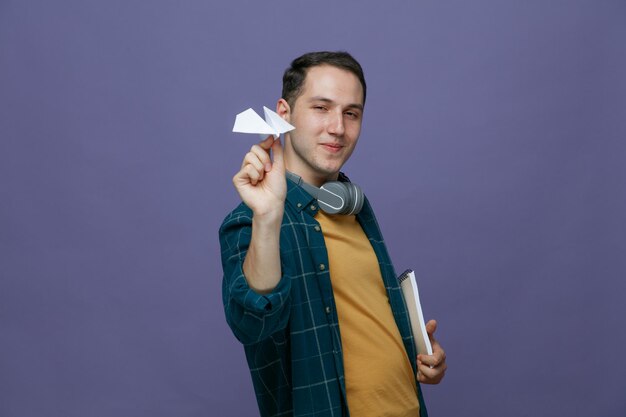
<point x="283" y="109"/>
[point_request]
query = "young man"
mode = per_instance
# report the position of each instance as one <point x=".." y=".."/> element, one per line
<point x="313" y="296"/>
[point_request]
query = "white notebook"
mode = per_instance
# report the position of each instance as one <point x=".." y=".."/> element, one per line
<point x="412" y="298"/>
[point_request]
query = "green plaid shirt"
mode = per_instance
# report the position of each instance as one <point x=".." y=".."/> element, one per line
<point x="291" y="336"/>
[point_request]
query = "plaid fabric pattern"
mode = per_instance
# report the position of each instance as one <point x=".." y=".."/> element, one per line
<point x="291" y="336"/>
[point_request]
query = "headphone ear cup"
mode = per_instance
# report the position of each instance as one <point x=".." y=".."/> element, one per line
<point x="348" y="193"/>
<point x="349" y="209"/>
<point x="334" y="198"/>
<point x="348" y="198"/>
<point x="355" y="201"/>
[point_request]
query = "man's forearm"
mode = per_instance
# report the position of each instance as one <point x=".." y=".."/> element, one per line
<point x="262" y="264"/>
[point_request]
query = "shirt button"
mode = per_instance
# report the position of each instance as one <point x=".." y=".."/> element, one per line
<point x="299" y="205"/>
<point x="327" y="310"/>
<point x="322" y="267"/>
<point x="317" y="228"/>
<point x="313" y="207"/>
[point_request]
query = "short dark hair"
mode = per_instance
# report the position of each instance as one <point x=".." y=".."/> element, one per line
<point x="294" y="76"/>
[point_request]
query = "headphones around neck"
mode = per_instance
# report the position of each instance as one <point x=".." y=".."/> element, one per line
<point x="334" y="197"/>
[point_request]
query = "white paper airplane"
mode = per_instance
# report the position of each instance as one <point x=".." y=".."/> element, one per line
<point x="250" y="122"/>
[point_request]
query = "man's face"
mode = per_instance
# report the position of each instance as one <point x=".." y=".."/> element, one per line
<point x="327" y="116"/>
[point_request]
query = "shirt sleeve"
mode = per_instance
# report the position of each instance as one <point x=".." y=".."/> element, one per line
<point x="251" y="316"/>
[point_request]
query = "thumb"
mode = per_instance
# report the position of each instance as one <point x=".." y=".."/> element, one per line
<point x="277" y="153"/>
<point x="431" y="326"/>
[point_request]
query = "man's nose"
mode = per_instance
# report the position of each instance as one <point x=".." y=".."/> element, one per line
<point x="335" y="124"/>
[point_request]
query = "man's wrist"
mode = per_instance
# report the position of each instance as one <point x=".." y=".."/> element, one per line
<point x="269" y="220"/>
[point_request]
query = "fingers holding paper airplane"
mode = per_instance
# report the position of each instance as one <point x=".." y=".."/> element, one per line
<point x="261" y="182"/>
<point x="432" y="368"/>
<point x="259" y="158"/>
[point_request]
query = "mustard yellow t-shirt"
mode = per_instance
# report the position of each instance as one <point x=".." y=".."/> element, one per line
<point x="379" y="378"/>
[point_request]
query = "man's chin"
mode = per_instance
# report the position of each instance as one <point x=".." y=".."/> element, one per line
<point x="330" y="170"/>
<point x="331" y="175"/>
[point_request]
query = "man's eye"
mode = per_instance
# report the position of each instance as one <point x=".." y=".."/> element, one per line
<point x="352" y="115"/>
<point x="319" y="107"/>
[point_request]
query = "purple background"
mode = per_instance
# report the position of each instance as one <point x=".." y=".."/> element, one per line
<point x="499" y="126"/>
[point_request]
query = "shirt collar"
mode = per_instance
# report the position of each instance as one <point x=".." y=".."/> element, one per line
<point x="300" y="199"/>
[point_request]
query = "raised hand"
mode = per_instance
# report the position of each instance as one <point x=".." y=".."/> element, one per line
<point x="261" y="182"/>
